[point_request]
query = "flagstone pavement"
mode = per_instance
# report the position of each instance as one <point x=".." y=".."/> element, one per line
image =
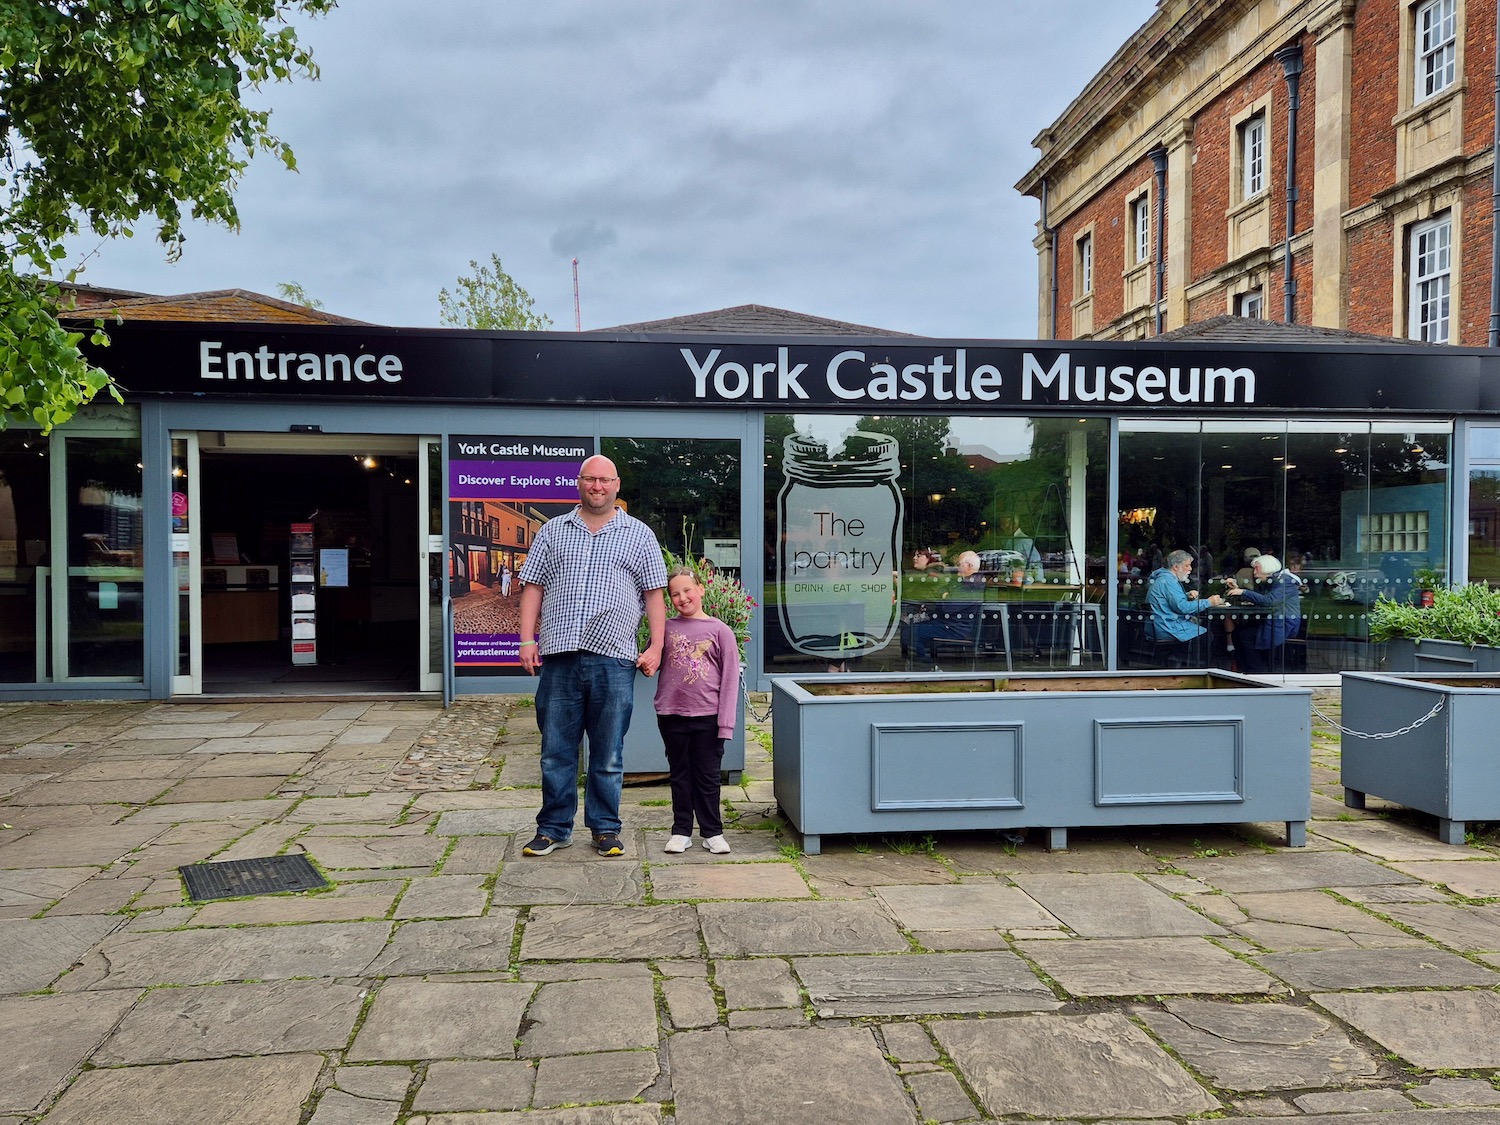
<point x="1160" y="975"/>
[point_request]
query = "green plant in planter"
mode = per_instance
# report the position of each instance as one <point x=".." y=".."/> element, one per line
<point x="1468" y="615"/>
<point x="723" y="598"/>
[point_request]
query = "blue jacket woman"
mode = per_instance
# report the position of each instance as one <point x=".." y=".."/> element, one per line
<point x="1280" y="592"/>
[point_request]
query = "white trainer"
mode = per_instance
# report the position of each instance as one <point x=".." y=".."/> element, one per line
<point x="717" y="844"/>
<point x="677" y="844"/>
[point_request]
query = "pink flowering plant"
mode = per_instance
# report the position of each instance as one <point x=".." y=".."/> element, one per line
<point x="723" y="597"/>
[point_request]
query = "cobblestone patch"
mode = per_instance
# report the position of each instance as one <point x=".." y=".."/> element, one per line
<point x="457" y="750"/>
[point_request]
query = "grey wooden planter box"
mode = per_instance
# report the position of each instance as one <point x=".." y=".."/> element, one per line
<point x="644" y="752"/>
<point x="901" y="753"/>
<point x="1448" y="766"/>
<point x="1405" y="655"/>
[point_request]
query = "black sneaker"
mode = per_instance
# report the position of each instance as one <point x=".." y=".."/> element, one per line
<point x="544" y="845"/>
<point x="608" y="844"/>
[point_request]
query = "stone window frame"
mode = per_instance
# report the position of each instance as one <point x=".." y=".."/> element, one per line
<point x="1138" y="227"/>
<point x="1257" y="112"/>
<point x="1083" y="263"/>
<point x="1415" y="297"/>
<point x="1447" y="51"/>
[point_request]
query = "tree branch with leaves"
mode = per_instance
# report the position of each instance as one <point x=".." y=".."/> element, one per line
<point x="491" y="299"/>
<point x="114" y="112"/>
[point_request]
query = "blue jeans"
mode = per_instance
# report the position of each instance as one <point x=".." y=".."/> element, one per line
<point x="583" y="693"/>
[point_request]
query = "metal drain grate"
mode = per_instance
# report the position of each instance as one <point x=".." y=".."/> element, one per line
<point x="232" y="878"/>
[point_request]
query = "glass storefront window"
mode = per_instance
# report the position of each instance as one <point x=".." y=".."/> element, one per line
<point x="687" y="490"/>
<point x="911" y="542"/>
<point x="105" y="576"/>
<point x="25" y="536"/>
<point x="1484" y="505"/>
<point x="1356" y="510"/>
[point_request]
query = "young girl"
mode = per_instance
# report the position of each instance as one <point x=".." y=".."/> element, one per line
<point x="696" y="708"/>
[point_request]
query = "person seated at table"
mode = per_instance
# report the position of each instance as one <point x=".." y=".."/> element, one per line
<point x="1280" y="592"/>
<point x="1173" y="611"/>
<point x="953" y="619"/>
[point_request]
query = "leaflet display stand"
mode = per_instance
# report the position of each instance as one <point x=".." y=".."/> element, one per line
<point x="304" y="595"/>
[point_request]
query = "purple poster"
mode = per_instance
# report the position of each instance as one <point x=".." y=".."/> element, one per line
<point x="500" y="492"/>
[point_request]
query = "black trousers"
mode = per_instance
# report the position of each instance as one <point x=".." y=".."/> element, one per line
<point x="694" y="754"/>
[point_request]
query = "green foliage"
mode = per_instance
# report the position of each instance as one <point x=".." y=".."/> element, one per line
<point x="293" y="292"/>
<point x="111" y="113"/>
<point x="1469" y="615"/>
<point x="43" y="376"/>
<point x="490" y="299"/>
<point x="723" y="598"/>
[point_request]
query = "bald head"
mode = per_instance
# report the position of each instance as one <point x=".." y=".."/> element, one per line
<point x="598" y="486"/>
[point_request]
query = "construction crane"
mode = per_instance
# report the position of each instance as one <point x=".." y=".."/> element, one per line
<point x="577" y="318"/>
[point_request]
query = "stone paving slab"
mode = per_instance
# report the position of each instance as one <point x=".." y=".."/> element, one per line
<point x="279" y="1017"/>
<point x="858" y="871"/>
<point x="574" y="1017"/>
<point x="1468" y="929"/>
<point x="1001" y="1060"/>
<point x="546" y="879"/>
<point x="418" y="1019"/>
<point x="801" y="1077"/>
<point x="1309" y="920"/>
<point x="1385" y="839"/>
<point x="39" y="950"/>
<point x="459" y="945"/>
<point x="1432" y="1030"/>
<point x="1286" y="870"/>
<point x="32" y="890"/>
<point x="347" y="852"/>
<point x="609" y="1076"/>
<point x="743" y="929"/>
<point x="649" y="1114"/>
<point x="519" y="820"/>
<point x="249" y="765"/>
<point x="34" y="817"/>
<point x="1472" y="878"/>
<point x="118" y="769"/>
<point x="1114" y="905"/>
<point x="930" y="984"/>
<point x="765" y="982"/>
<point x="1259" y="1047"/>
<point x="347" y="902"/>
<point x="197" y="790"/>
<point x="44" y="1039"/>
<point x="572" y="933"/>
<point x="267" y="1091"/>
<point x="728" y="881"/>
<point x="325" y="949"/>
<point x="376" y="808"/>
<point x="261" y="744"/>
<point x="476" y="1085"/>
<point x="213" y="728"/>
<point x="1378" y="968"/>
<point x="93" y="846"/>
<point x="67" y="792"/>
<point x="965" y="906"/>
<point x="212" y="810"/>
<point x="1145" y="966"/>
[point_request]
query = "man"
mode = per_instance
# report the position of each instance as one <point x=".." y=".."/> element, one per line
<point x="1173" y="610"/>
<point x="589" y="575"/>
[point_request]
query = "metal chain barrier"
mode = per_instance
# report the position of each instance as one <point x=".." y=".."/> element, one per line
<point x="1407" y="729"/>
<point x="749" y="710"/>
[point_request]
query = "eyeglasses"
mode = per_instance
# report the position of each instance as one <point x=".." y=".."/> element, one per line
<point x="597" y="480"/>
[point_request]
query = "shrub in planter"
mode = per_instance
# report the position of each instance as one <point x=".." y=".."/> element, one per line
<point x="1467" y="615"/>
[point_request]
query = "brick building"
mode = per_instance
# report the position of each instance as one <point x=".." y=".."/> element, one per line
<point x="1164" y="184"/>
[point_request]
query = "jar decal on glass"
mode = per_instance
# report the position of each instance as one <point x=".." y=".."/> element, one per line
<point x="839" y="544"/>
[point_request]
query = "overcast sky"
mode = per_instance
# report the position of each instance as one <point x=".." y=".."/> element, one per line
<point x="849" y="160"/>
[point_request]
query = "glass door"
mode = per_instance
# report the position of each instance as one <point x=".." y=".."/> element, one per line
<point x="432" y="621"/>
<point x="187" y="605"/>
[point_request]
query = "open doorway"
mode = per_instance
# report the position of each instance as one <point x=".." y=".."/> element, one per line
<point x="361" y="497"/>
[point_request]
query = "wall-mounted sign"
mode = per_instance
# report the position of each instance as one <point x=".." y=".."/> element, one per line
<point x="500" y="492"/>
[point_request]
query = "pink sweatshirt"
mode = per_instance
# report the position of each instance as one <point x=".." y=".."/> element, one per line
<point x="700" y="671"/>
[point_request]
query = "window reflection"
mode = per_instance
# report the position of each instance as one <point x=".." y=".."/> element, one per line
<point x="103" y="513"/>
<point x="983" y="547"/>
<point x="1356" y="510"/>
<point x="25" y="532"/>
